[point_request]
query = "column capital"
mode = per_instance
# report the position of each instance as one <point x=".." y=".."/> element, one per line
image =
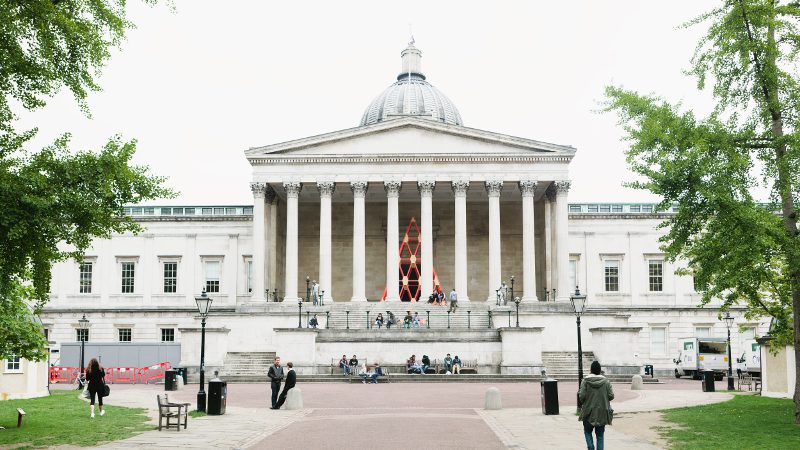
<point x="494" y="187"/>
<point x="392" y="188"/>
<point x="527" y="187"/>
<point x="359" y="188"/>
<point x="292" y="188"/>
<point x="326" y="188"/>
<point x="269" y="194"/>
<point x="426" y="187"/>
<point x="562" y="186"/>
<point x="258" y="189"/>
<point x="460" y="187"/>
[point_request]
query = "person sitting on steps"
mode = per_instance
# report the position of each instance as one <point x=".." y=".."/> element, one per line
<point x="457" y="365"/>
<point x="379" y="320"/>
<point x="407" y="320"/>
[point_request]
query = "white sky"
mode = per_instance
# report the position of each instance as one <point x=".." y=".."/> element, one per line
<point x="199" y="85"/>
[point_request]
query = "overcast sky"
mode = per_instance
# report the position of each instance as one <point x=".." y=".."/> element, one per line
<point x="199" y="85"/>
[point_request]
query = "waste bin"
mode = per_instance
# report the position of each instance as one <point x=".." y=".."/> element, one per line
<point x="169" y="380"/>
<point x="708" y="381"/>
<point x="549" y="396"/>
<point x="217" y="396"/>
<point x="183" y="372"/>
<point x="648" y="370"/>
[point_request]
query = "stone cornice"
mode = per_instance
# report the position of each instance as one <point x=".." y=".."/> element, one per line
<point x="237" y="218"/>
<point x="628" y="216"/>
<point x="281" y="160"/>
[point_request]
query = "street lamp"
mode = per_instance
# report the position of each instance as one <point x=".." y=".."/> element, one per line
<point x="512" y="286"/>
<point x="300" y="313"/>
<point x="729" y="323"/>
<point x="368" y="319"/>
<point x="578" y="304"/>
<point x="308" y="289"/>
<point x="347" y="318"/>
<point x="516" y="302"/>
<point x="203" y="306"/>
<point x="83" y="325"/>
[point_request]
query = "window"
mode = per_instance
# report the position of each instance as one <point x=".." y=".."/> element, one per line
<point x="697" y="285"/>
<point x="656" y="271"/>
<point x="573" y="274"/>
<point x="647" y="208"/>
<point x="574" y="208"/>
<point x="46" y="332"/>
<point x="170" y="277"/>
<point x="188" y="211"/>
<point x="249" y="276"/>
<point x="219" y="211"/>
<point x="128" y="277"/>
<point x="658" y="341"/>
<point x="635" y="208"/>
<point x="230" y="211"/>
<point x="167" y="335"/>
<point x="85" y="278"/>
<point x="702" y="331"/>
<point x="82" y="335"/>
<point x="612" y="275"/>
<point x="212" y="276"/>
<point x="124" y="334"/>
<point x="616" y="208"/>
<point x="13" y="364"/>
<point x="166" y="211"/>
<point x="605" y="208"/>
<point x="592" y="208"/>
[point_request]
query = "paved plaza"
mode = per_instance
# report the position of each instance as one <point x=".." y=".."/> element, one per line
<point x="403" y="415"/>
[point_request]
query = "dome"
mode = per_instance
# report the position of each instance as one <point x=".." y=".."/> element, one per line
<point x="412" y="96"/>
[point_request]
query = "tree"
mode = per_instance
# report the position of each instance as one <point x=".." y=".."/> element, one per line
<point x="56" y="200"/>
<point x="739" y="250"/>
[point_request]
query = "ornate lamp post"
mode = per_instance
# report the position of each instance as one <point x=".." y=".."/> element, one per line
<point x="203" y="306"/>
<point x="347" y="318"/>
<point x="578" y="304"/>
<point x="516" y="302"/>
<point x="368" y="319"/>
<point x="300" y="313"/>
<point x="428" y="320"/>
<point x="469" y="325"/>
<point x="308" y="289"/>
<point x="83" y="325"/>
<point x="512" y="286"/>
<point x="729" y="323"/>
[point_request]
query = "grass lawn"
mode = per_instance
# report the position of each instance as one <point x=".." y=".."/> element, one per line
<point x="745" y="422"/>
<point x="64" y="419"/>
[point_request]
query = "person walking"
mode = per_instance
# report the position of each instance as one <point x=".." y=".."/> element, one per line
<point x="291" y="380"/>
<point x="595" y="397"/>
<point x="95" y="374"/>
<point x="453" y="301"/>
<point x="275" y="375"/>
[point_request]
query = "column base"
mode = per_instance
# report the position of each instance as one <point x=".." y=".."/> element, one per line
<point x="358" y="299"/>
<point x="291" y="300"/>
<point x="461" y="300"/>
<point x="530" y="299"/>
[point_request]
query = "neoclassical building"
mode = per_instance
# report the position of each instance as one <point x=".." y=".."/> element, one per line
<point x="409" y="202"/>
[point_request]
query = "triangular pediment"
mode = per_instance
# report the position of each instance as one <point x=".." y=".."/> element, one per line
<point x="409" y="136"/>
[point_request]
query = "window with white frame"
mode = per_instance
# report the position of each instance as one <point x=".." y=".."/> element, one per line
<point x="128" y="269"/>
<point x="702" y="331"/>
<point x="611" y="275"/>
<point x="249" y="275"/>
<point x="170" y="277"/>
<point x="82" y="335"/>
<point x="85" y="270"/>
<point x="212" y="272"/>
<point x="658" y="341"/>
<point x="124" y="334"/>
<point x="573" y="273"/>
<point x="13" y="364"/>
<point x="167" y="335"/>
<point x="656" y="274"/>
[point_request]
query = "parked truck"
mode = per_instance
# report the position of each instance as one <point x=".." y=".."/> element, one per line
<point x="750" y="359"/>
<point x="697" y="354"/>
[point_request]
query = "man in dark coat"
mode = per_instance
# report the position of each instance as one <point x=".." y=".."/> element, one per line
<point x="291" y="380"/>
<point x="275" y="375"/>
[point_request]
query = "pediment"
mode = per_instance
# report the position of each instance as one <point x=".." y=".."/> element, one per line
<point x="409" y="136"/>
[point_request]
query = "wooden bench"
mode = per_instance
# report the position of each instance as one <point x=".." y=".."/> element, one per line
<point x="746" y="379"/>
<point x="167" y="410"/>
<point x="20" y="415"/>
<point x="757" y="383"/>
<point x="469" y="366"/>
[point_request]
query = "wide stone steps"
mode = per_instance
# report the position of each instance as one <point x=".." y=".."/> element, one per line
<point x="430" y="378"/>
<point x="244" y="366"/>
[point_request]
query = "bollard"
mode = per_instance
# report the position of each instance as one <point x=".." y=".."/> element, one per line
<point x="493" y="400"/>
<point x="294" y="399"/>
<point x="636" y="383"/>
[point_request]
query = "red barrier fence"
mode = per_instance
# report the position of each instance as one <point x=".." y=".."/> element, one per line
<point x="130" y="375"/>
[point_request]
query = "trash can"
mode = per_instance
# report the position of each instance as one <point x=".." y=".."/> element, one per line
<point x="708" y="381"/>
<point x="169" y="380"/>
<point x="648" y="370"/>
<point x="183" y="372"/>
<point x="217" y="396"/>
<point x="549" y="388"/>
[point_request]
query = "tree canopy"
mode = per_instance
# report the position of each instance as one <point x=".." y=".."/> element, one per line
<point x="740" y="249"/>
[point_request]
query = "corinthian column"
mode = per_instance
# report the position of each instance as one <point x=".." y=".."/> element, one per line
<point x="528" y="189"/>
<point x="426" y="238"/>
<point x="392" y="240"/>
<point x="562" y="236"/>
<point x="493" y="188"/>
<point x="359" y="189"/>
<point x="292" y="189"/>
<point x="257" y="286"/>
<point x="271" y="239"/>
<point x="326" y="189"/>
<point x="460" y="188"/>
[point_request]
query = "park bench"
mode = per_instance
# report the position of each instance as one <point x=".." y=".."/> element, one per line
<point x="20" y="415"/>
<point x="757" y="383"/>
<point x="469" y="366"/>
<point x="170" y="412"/>
<point x="746" y="379"/>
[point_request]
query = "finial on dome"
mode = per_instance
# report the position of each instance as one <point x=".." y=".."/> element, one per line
<point x="412" y="62"/>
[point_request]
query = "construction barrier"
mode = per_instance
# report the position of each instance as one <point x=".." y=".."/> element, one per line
<point x="130" y="375"/>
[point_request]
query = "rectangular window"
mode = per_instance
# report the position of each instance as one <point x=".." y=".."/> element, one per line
<point x="167" y="335"/>
<point x="635" y="208"/>
<point x="574" y="208"/>
<point x="612" y="275"/>
<point x="230" y="211"/>
<point x="573" y="274"/>
<point x="656" y="271"/>
<point x="188" y="211"/>
<point x="658" y="341"/>
<point x="698" y="287"/>
<point x="219" y="211"/>
<point x="616" y="208"/>
<point x="249" y="276"/>
<point x="124" y="334"/>
<point x="13" y="364"/>
<point x="605" y="208"/>
<point x="166" y="211"/>
<point x="212" y="276"/>
<point x="128" y="277"/>
<point x="248" y="211"/>
<point x="702" y="331"/>
<point x="207" y="211"/>
<point x="592" y="208"/>
<point x="647" y="208"/>
<point x="82" y="335"/>
<point x="170" y="277"/>
<point x="86" y="278"/>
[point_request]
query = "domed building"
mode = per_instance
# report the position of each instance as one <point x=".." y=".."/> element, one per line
<point x="401" y="213"/>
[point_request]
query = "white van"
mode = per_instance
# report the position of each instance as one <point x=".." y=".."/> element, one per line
<point x="750" y="359"/>
<point x="699" y="354"/>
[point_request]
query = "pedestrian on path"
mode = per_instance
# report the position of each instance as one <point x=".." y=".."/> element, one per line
<point x="453" y="301"/>
<point x="95" y="375"/>
<point x="275" y="375"/>
<point x="594" y="399"/>
<point x="291" y="380"/>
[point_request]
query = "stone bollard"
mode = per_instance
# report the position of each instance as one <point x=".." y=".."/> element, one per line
<point x="294" y="399"/>
<point x="636" y="383"/>
<point x="493" y="400"/>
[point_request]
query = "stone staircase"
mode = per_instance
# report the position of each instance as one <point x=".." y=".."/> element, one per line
<point x="354" y="315"/>
<point x="564" y="365"/>
<point x="246" y="366"/>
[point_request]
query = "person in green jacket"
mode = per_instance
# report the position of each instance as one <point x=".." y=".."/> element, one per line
<point x="595" y="396"/>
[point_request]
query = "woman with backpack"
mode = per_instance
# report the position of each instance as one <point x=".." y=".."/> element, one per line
<point x="95" y="376"/>
<point x="595" y="397"/>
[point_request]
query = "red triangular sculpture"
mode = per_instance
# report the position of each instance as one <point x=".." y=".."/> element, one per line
<point x="409" y="267"/>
